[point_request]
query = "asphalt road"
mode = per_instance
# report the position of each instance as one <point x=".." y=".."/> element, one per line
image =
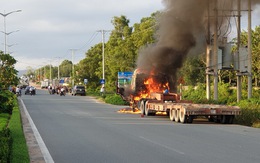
<point x="82" y="130"/>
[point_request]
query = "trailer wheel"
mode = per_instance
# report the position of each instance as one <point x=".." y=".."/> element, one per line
<point x="172" y="114"/>
<point x="190" y="119"/>
<point x="183" y="117"/>
<point x="230" y="119"/>
<point x="177" y="116"/>
<point x="224" y="119"/>
<point x="142" y="107"/>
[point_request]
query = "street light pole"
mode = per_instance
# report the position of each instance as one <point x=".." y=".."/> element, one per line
<point x="5" y="15"/>
<point x="5" y="44"/>
<point x="103" y="53"/>
<point x="73" y="75"/>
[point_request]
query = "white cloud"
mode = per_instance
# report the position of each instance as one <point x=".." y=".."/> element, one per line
<point x="49" y="28"/>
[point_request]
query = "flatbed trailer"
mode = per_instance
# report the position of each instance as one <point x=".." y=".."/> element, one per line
<point x="185" y="111"/>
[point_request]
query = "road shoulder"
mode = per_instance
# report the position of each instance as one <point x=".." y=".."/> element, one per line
<point x="34" y="150"/>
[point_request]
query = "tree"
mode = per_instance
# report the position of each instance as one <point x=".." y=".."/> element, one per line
<point x="90" y="67"/>
<point x="119" y="54"/>
<point x="255" y="52"/>
<point x="121" y="51"/>
<point x="193" y="70"/>
<point x="8" y="74"/>
<point x="65" y="68"/>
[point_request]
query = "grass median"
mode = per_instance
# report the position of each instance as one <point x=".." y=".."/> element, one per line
<point x="19" y="148"/>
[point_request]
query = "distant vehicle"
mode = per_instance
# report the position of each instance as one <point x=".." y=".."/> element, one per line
<point x="78" y="90"/>
<point x="27" y="90"/>
<point x="44" y="84"/>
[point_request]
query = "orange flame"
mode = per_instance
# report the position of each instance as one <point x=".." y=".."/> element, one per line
<point x="151" y="87"/>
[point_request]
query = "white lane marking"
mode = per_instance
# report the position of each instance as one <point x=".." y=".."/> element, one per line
<point x="44" y="149"/>
<point x="164" y="146"/>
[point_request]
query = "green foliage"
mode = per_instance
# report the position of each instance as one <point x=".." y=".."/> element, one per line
<point x="8" y="74"/>
<point x="93" y="92"/>
<point x="19" y="148"/>
<point x="193" y="70"/>
<point x="6" y="101"/>
<point x="121" y="51"/>
<point x="65" y="68"/>
<point x="255" y="52"/>
<point x="5" y="145"/>
<point x="250" y="109"/>
<point x="114" y="99"/>
<point x="196" y="94"/>
<point x="4" y="117"/>
<point x="6" y="106"/>
<point x="13" y="146"/>
<point x="90" y="67"/>
<point x="250" y="112"/>
<point x="226" y="95"/>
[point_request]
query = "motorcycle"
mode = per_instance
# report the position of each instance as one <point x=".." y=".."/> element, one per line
<point x="62" y="92"/>
<point x="32" y="92"/>
<point x="18" y="94"/>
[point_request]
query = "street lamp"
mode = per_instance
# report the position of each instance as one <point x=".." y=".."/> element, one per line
<point x="5" y="44"/>
<point x="5" y="15"/>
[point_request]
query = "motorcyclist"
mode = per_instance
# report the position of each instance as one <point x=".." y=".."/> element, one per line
<point x="18" y="91"/>
<point x="32" y="91"/>
<point x="62" y="91"/>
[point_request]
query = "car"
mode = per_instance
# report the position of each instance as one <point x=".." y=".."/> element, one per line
<point x="78" y="90"/>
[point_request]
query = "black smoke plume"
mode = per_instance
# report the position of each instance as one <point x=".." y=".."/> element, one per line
<point x="182" y="28"/>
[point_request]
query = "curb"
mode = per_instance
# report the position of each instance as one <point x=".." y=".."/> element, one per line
<point x="34" y="150"/>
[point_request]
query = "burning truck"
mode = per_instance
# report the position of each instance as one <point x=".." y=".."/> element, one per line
<point x="183" y="28"/>
<point x="151" y="93"/>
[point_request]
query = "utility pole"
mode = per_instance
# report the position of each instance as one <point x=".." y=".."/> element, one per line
<point x="50" y="72"/>
<point x="208" y="57"/>
<point x="216" y="51"/>
<point x="44" y="71"/>
<point x="103" y="54"/>
<point x="72" y="57"/>
<point x="58" y="68"/>
<point x="239" y="74"/>
<point x="249" y="51"/>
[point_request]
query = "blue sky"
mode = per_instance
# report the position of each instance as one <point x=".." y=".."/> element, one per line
<point x="48" y="29"/>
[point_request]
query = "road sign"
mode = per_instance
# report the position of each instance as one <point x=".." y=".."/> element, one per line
<point x="85" y="81"/>
<point x="102" y="81"/>
<point x="62" y="81"/>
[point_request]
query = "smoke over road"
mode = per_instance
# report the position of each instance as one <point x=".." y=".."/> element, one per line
<point x="182" y="28"/>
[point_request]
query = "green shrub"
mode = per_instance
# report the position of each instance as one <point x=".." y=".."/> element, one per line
<point x="92" y="92"/>
<point x="6" y="101"/>
<point x="250" y="109"/>
<point x="4" y="117"/>
<point x="195" y="94"/>
<point x="5" y="145"/>
<point x="250" y="115"/>
<point x="114" y="99"/>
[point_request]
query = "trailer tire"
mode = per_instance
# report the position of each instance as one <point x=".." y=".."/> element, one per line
<point x="172" y="114"/>
<point x="177" y="116"/>
<point x="224" y="119"/>
<point x="190" y="119"/>
<point x="183" y="116"/>
<point x="230" y="119"/>
<point x="142" y="107"/>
